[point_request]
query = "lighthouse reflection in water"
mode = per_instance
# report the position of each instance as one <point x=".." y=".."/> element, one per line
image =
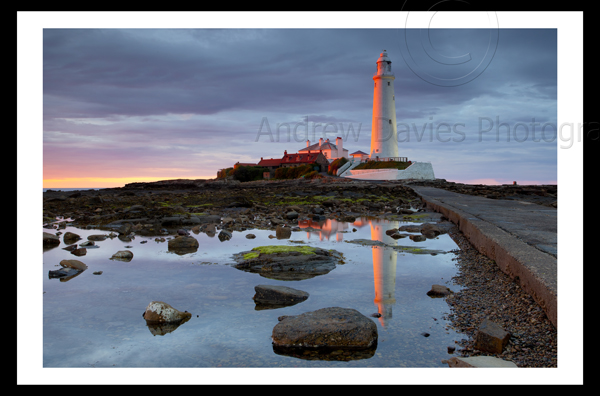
<point x="385" y="258"/>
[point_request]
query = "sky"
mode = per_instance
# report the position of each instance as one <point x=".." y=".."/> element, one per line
<point x="140" y="104"/>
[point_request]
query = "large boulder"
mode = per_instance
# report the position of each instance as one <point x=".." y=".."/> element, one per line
<point x="332" y="327"/>
<point x="288" y="262"/>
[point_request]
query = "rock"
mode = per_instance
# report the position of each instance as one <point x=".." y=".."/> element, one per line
<point x="79" y="252"/>
<point x="391" y="231"/>
<point x="283" y="232"/>
<point x="479" y="361"/>
<point x="491" y="337"/>
<point x="70" y="237"/>
<point x="75" y="264"/>
<point x="274" y="296"/>
<point x="439" y="291"/>
<point x="161" y="312"/>
<point x="183" y="244"/>
<point x="70" y="248"/>
<point x="50" y="239"/>
<point x="124" y="229"/>
<point x="183" y="231"/>
<point x="225" y="235"/>
<point x="327" y="327"/>
<point x="430" y="230"/>
<point x="122" y="255"/>
<point x="96" y="237"/>
<point x="288" y="262"/>
<point x="250" y="236"/>
<point x="87" y="244"/>
<point x="291" y="215"/>
<point x="398" y="235"/>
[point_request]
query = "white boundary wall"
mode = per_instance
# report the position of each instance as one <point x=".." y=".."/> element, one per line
<point x="417" y="170"/>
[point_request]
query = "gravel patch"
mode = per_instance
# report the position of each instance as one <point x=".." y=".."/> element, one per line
<point x="487" y="292"/>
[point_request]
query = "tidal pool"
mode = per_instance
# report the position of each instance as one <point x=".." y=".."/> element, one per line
<point x="96" y="320"/>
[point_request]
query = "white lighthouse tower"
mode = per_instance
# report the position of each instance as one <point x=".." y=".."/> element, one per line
<point x="384" y="139"/>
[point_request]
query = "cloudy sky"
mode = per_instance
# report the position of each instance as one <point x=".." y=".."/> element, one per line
<point x="135" y="104"/>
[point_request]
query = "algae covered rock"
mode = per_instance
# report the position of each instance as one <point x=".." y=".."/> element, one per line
<point x="288" y="262"/>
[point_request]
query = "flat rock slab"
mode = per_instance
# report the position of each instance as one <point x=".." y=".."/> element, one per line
<point x="288" y="262"/>
<point x="479" y="362"/>
<point x="332" y="327"/>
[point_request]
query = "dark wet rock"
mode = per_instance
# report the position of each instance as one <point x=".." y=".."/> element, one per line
<point x="418" y="238"/>
<point x="332" y="327"/>
<point x="225" y="235"/>
<point x="70" y="237"/>
<point x="50" y="240"/>
<point x="439" y="291"/>
<point x="183" y="244"/>
<point x="79" y="251"/>
<point x="276" y="296"/>
<point x="250" y="236"/>
<point x="183" y="231"/>
<point x="70" y="248"/>
<point x="122" y="255"/>
<point x="288" y="262"/>
<point x="97" y="237"/>
<point x="87" y="244"/>
<point x="124" y="229"/>
<point x="161" y="312"/>
<point x="491" y="337"/>
<point x="398" y="235"/>
<point x="292" y="215"/>
<point x="75" y="264"/>
<point x="283" y="232"/>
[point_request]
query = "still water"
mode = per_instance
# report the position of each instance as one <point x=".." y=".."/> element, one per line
<point x="96" y="320"/>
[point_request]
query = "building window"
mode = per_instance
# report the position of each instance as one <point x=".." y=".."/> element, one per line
<point x="390" y="121"/>
<point x="394" y="98"/>
<point x="388" y="83"/>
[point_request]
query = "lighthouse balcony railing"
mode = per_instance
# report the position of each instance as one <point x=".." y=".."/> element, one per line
<point x="386" y="159"/>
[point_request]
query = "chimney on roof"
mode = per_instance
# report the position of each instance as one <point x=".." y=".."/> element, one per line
<point x="285" y="152"/>
<point x="340" y="146"/>
<point x="307" y="143"/>
<point x="320" y="142"/>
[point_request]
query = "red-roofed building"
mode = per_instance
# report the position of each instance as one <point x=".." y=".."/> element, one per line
<point x="310" y="157"/>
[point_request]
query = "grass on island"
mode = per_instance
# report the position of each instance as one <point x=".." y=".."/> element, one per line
<point x="383" y="165"/>
<point x="272" y="249"/>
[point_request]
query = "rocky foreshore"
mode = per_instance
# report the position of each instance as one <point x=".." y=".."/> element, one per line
<point x="174" y="208"/>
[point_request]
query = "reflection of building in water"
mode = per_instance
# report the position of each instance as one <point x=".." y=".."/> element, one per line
<point x="325" y="228"/>
<point x="384" y="259"/>
<point x="384" y="268"/>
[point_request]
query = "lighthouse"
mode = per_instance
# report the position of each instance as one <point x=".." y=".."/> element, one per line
<point x="384" y="140"/>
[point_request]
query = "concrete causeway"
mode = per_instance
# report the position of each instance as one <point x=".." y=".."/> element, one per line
<point x="521" y="237"/>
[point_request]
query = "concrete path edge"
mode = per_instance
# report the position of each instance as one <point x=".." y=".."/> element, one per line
<point x="515" y="258"/>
